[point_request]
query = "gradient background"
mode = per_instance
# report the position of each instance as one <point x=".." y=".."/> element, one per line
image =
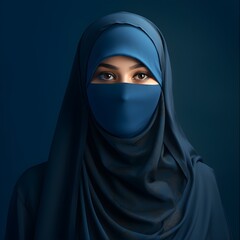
<point x="38" y="40"/>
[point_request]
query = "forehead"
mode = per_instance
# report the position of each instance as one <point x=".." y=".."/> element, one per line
<point x="121" y="61"/>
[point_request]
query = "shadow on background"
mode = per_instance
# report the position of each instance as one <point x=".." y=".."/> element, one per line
<point x="37" y="45"/>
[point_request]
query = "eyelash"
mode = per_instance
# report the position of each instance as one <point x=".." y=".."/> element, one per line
<point x="102" y="76"/>
<point x="146" y="76"/>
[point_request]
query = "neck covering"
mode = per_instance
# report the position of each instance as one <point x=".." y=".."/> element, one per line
<point x="149" y="186"/>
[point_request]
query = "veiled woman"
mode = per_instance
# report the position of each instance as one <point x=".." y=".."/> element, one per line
<point x="120" y="167"/>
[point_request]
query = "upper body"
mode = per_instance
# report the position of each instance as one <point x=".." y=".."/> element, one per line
<point x="120" y="166"/>
<point x="24" y="207"/>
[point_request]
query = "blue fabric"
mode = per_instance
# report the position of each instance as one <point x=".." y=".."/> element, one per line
<point x="125" y="40"/>
<point x="123" y="109"/>
<point x="96" y="186"/>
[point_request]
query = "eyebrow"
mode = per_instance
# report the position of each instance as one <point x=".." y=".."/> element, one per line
<point x="106" y="65"/>
<point x="138" y="65"/>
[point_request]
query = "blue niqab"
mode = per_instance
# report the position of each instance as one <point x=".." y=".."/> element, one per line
<point x="124" y="110"/>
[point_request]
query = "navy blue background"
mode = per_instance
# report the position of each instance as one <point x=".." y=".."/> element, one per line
<point x="38" y="40"/>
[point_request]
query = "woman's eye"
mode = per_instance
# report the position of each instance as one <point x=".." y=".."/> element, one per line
<point x="141" y="76"/>
<point x="106" y="76"/>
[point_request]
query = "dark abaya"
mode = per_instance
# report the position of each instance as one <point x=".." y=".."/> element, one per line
<point x="99" y="186"/>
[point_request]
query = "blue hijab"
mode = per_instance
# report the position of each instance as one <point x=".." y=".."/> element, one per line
<point x="153" y="185"/>
<point x="124" y="110"/>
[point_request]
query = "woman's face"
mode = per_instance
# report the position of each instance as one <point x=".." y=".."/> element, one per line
<point x="121" y="69"/>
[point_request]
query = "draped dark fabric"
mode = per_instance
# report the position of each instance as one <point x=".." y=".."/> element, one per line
<point x="98" y="186"/>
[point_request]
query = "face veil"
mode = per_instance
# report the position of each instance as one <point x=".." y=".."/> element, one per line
<point x="124" y="109"/>
<point x="100" y="186"/>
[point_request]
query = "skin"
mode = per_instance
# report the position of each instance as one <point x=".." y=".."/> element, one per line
<point x="121" y="69"/>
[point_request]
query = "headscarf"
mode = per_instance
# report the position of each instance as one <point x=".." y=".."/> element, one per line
<point x="149" y="186"/>
<point x="123" y="109"/>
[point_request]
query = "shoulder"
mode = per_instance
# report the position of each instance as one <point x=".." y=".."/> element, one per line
<point x="205" y="183"/>
<point x="208" y="196"/>
<point x="32" y="175"/>
<point x="29" y="186"/>
<point x="203" y="170"/>
<point x="23" y="207"/>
